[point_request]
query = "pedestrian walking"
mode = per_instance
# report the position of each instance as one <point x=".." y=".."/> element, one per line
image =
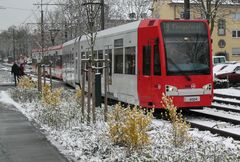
<point x="15" y="71"/>
<point x="21" y="70"/>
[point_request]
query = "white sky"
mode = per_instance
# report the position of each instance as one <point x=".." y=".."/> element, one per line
<point x="18" y="12"/>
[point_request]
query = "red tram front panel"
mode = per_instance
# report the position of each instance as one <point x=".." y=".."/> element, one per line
<point x="161" y="71"/>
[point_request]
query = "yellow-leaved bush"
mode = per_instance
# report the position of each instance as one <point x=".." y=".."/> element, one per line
<point x="51" y="98"/>
<point x="180" y="127"/>
<point x="78" y="95"/>
<point x="129" y="127"/>
<point x="26" y="82"/>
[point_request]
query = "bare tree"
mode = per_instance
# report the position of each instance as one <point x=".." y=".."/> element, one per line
<point x="129" y="9"/>
<point x="212" y="10"/>
<point x="15" y="40"/>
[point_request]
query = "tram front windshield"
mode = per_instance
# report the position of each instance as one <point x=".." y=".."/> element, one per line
<point x="186" y="47"/>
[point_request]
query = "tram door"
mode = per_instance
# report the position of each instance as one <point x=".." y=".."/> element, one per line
<point x="144" y="76"/>
<point x="149" y="77"/>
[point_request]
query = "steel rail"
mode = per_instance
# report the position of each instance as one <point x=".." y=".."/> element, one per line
<point x="225" y="108"/>
<point x="226" y="96"/>
<point x="214" y="130"/>
<point x="215" y="117"/>
<point x="226" y="102"/>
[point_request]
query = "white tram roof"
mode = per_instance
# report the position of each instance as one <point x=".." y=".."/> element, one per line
<point x="116" y="30"/>
<point x="71" y="41"/>
<point x="110" y="31"/>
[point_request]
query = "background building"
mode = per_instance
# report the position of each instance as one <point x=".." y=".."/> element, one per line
<point x="226" y="30"/>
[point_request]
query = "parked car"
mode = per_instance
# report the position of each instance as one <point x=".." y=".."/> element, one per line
<point x="219" y="83"/>
<point x="230" y="72"/>
<point x="219" y="60"/>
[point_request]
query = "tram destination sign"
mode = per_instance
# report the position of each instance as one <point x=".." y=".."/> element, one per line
<point x="184" y="28"/>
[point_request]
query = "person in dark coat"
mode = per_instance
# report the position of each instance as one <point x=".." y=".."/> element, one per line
<point x="21" y="70"/>
<point x="15" y="71"/>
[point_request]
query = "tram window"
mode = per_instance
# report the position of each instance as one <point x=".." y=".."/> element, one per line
<point x="100" y="56"/>
<point x="146" y="60"/>
<point x="109" y="52"/>
<point x="118" y="60"/>
<point x="157" y="65"/>
<point x="59" y="61"/>
<point x="82" y="55"/>
<point x="130" y="60"/>
<point x="94" y="54"/>
<point x="118" y="43"/>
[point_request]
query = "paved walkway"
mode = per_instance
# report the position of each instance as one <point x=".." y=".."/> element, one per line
<point x="20" y="141"/>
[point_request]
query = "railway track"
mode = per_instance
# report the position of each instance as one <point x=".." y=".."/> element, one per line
<point x="222" y="118"/>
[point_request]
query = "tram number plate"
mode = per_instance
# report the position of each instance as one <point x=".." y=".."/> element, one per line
<point x="192" y="99"/>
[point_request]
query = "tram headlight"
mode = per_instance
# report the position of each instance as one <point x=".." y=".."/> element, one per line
<point x="170" y="88"/>
<point x="208" y="87"/>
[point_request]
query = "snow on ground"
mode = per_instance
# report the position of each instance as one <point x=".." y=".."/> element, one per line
<point x="91" y="143"/>
<point x="227" y="99"/>
<point x="228" y="91"/>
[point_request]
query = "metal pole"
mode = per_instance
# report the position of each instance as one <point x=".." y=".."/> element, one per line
<point x="83" y="90"/>
<point x="14" y="50"/>
<point x="50" y="73"/>
<point x="186" y="9"/>
<point x="93" y="96"/>
<point x="39" y="78"/>
<point x="102" y="15"/>
<point x="44" y="75"/>
<point x="89" y="92"/>
<point x="105" y="87"/>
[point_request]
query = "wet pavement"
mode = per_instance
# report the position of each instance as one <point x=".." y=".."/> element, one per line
<point x="20" y="141"/>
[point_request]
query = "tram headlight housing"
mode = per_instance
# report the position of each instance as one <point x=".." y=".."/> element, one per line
<point x="170" y="88"/>
<point x="208" y="87"/>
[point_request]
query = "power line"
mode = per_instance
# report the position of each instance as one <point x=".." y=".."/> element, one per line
<point x="15" y="8"/>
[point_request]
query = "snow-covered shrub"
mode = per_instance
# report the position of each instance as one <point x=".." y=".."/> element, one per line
<point x="25" y="91"/>
<point x="51" y="98"/>
<point x="180" y="127"/>
<point x="51" y="113"/>
<point x="25" y="82"/>
<point x="78" y="95"/>
<point x="128" y="127"/>
<point x="60" y="109"/>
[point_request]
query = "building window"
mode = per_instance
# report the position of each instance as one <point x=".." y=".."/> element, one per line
<point x="221" y="27"/>
<point x="236" y="51"/>
<point x="130" y="60"/>
<point x="236" y="33"/>
<point x="236" y="16"/>
<point x="221" y="43"/>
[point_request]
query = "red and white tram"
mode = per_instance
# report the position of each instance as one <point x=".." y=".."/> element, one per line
<point x="51" y="55"/>
<point x="36" y="58"/>
<point x="148" y="58"/>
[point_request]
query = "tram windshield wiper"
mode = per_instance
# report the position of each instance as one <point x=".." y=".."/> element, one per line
<point x="179" y="69"/>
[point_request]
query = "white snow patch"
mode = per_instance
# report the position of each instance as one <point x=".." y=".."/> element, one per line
<point x="228" y="91"/>
<point x="5" y="98"/>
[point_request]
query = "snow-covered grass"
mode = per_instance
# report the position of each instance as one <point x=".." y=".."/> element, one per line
<point x="81" y="142"/>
